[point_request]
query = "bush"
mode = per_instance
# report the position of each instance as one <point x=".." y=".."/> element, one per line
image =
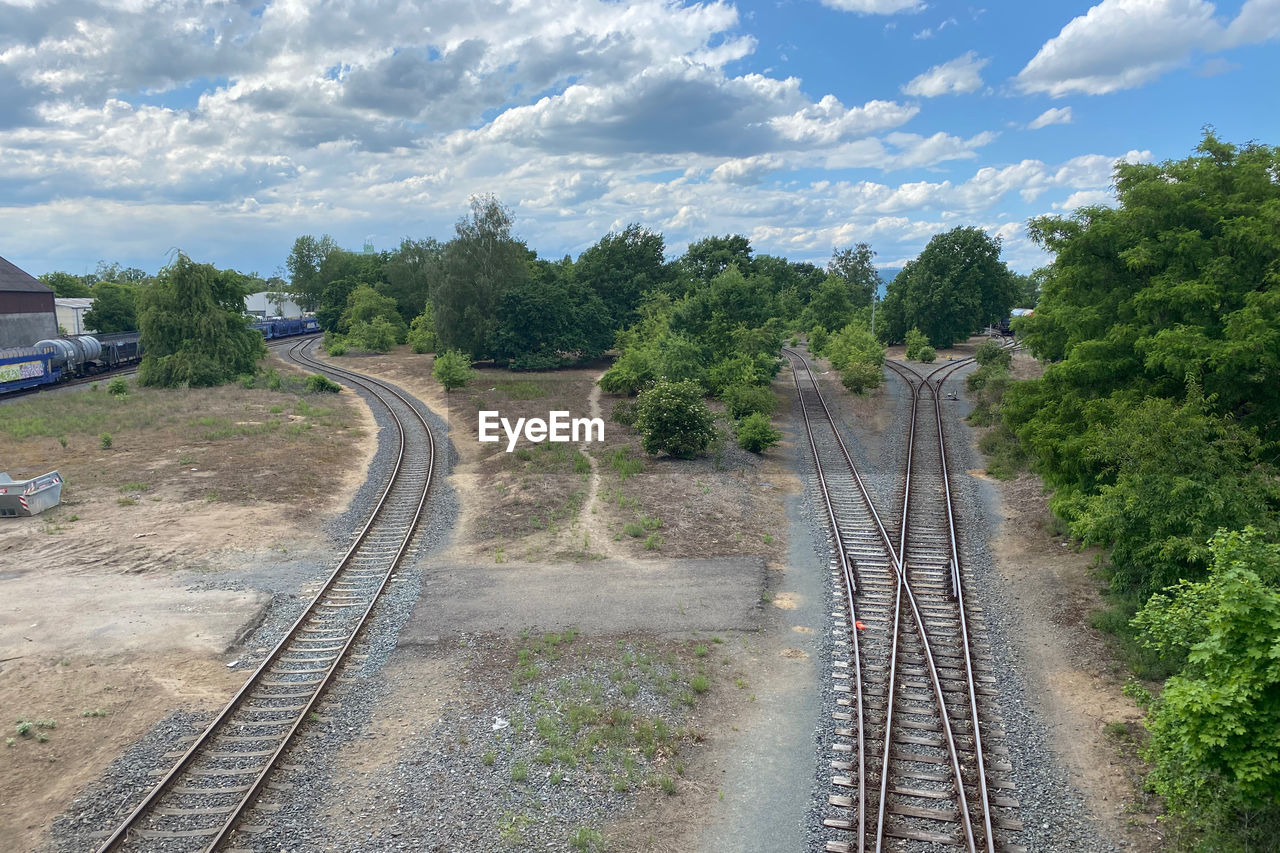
<point x="422" y="331"/>
<point x="376" y="336"/>
<point x="452" y="369"/>
<point x="322" y="384"/>
<point x="104" y="441"/>
<point x="860" y="376"/>
<point x="624" y="412"/>
<point x="817" y="340"/>
<point x="916" y="342"/>
<point x="854" y="343"/>
<point x="673" y="418"/>
<point x="632" y="371"/>
<point x="333" y="344"/>
<point x="928" y="354"/>
<point x="743" y="400"/>
<point x="990" y="352"/>
<point x="756" y="434"/>
<point x="118" y="387"/>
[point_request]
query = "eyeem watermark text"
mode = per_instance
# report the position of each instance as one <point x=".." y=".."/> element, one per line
<point x="558" y="427"/>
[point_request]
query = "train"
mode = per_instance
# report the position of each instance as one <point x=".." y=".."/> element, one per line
<point x="55" y="360"/>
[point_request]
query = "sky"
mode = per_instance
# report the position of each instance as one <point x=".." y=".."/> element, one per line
<point x="131" y="128"/>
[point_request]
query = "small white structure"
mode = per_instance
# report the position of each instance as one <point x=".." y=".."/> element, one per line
<point x="70" y="313"/>
<point x="271" y="303"/>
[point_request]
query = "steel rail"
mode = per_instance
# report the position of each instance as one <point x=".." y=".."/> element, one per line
<point x="934" y="382"/>
<point x="119" y="836"/>
<point x="850" y="591"/>
<point x="903" y="590"/>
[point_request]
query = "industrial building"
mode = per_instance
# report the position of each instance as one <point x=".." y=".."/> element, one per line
<point x="27" y="310"/>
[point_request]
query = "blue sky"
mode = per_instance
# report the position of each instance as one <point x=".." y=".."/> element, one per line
<point x="228" y="129"/>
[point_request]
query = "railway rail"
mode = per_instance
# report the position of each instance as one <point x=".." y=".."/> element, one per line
<point x="199" y="802"/>
<point x="911" y="763"/>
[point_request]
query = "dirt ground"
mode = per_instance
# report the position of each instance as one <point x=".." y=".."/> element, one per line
<point x="100" y="633"/>
<point x="562" y="502"/>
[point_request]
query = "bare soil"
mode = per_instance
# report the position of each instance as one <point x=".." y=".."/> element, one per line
<point x="100" y="632"/>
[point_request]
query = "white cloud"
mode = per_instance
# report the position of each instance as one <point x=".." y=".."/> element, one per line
<point x="1122" y="44"/>
<point x="1053" y="115"/>
<point x="957" y="77"/>
<point x="1086" y="198"/>
<point x="875" y="7"/>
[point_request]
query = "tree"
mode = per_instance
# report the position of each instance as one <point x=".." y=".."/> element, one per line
<point x="1180" y="279"/>
<point x="954" y="287"/>
<point x="482" y="262"/>
<point x="549" y="320"/>
<point x="66" y="286"/>
<point x="452" y="369"/>
<point x="710" y="256"/>
<point x="422" y="331"/>
<point x="855" y="267"/>
<point x="672" y="418"/>
<point x="412" y="274"/>
<point x="114" y="308"/>
<point x="304" y="262"/>
<point x="193" y="327"/>
<point x="621" y="268"/>
<point x="365" y="305"/>
<point x="1215" y="730"/>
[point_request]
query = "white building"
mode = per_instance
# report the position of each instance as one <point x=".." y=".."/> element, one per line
<point x="70" y="313"/>
<point x="260" y="305"/>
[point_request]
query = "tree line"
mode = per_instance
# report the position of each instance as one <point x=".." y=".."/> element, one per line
<point x="1157" y="425"/>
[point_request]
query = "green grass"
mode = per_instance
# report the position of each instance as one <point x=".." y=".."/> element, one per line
<point x="521" y="389"/>
<point x="624" y="464"/>
<point x="634" y="530"/>
<point x="135" y="487"/>
<point x="519" y="771"/>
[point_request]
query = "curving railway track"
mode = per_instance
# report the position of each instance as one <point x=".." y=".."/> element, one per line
<point x="198" y="804"/>
<point x="914" y="752"/>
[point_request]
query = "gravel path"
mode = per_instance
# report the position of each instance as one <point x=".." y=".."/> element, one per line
<point x="1053" y="813"/>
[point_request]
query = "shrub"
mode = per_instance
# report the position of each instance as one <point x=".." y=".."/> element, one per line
<point x="422" y="331"/>
<point x="990" y="352"/>
<point x="624" y="412"/>
<point x="452" y="369"/>
<point x="928" y="354"/>
<point x="632" y="371"/>
<point x="379" y="335"/>
<point x="743" y="400"/>
<point x="672" y="418"/>
<point x="860" y="376"/>
<point x="633" y="530"/>
<point x="854" y="343"/>
<point x="817" y="340"/>
<point x="118" y="387"/>
<point x="104" y="441"/>
<point x="322" y="384"/>
<point x="333" y="344"/>
<point x="916" y="342"/>
<point x="756" y="434"/>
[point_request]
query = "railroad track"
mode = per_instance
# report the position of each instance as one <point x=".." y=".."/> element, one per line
<point x="199" y="802"/>
<point x="910" y="751"/>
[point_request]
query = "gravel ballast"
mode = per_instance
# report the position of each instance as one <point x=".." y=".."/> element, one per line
<point x="1052" y="811"/>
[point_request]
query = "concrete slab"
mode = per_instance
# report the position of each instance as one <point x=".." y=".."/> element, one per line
<point x="670" y="597"/>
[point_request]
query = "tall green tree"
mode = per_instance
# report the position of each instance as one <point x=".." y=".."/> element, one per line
<point x="304" y="262"/>
<point x="957" y="285"/>
<point x="549" y="320"/>
<point x="481" y="263"/>
<point x="855" y="266"/>
<point x="194" y="328"/>
<point x="412" y="274"/>
<point x="707" y="258"/>
<point x="114" y="308"/>
<point x="66" y="286"/>
<point x="1181" y="279"/>
<point x="621" y="268"/>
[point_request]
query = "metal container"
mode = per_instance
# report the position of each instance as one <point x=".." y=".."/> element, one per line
<point x="29" y="497"/>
